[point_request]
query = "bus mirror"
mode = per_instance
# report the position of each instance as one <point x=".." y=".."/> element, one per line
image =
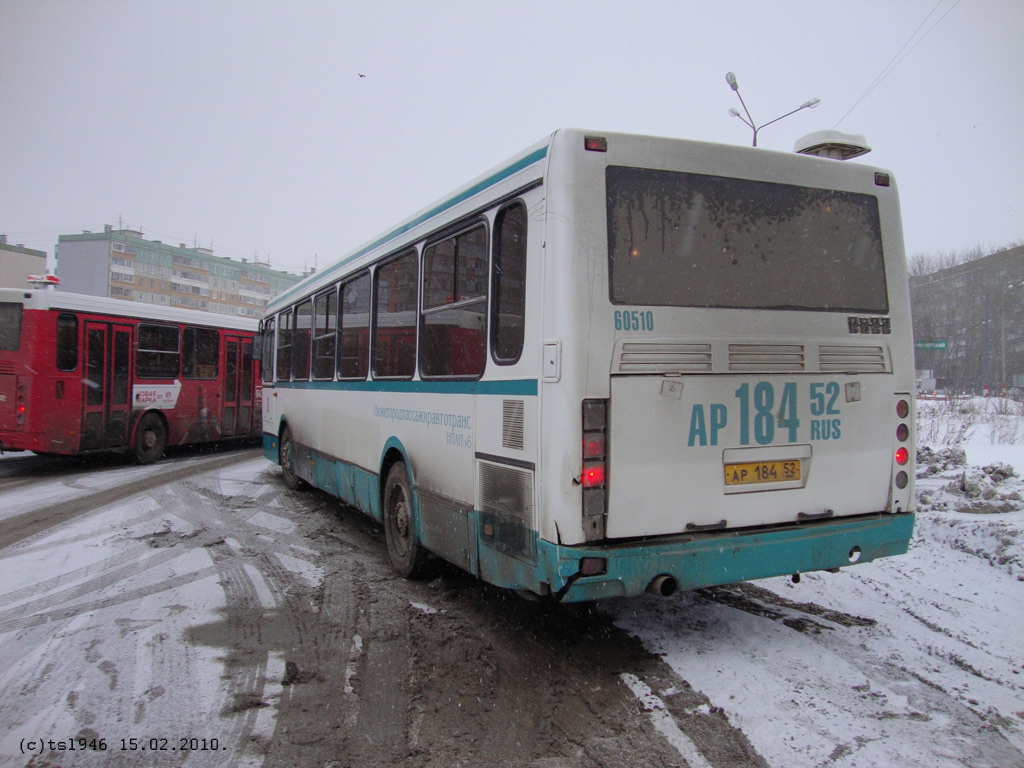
<point x="257" y="347"/>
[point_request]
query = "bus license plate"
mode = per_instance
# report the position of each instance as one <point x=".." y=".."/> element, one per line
<point x="757" y="472"/>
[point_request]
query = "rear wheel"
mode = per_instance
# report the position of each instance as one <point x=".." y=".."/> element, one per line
<point x="150" y="439"/>
<point x="287" y="454"/>
<point x="407" y="556"/>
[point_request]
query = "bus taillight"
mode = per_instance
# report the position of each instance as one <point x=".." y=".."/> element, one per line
<point x="594" y="474"/>
<point x="902" y="456"/>
<point x="22" y="402"/>
<point x="593" y="444"/>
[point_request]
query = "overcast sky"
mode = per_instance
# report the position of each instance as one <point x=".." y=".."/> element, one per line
<point x="246" y="126"/>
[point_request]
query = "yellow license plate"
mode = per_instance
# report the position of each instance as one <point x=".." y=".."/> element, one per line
<point x="757" y="472"/>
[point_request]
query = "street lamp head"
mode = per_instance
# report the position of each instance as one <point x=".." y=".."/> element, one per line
<point x="734" y="112"/>
<point x="730" y="78"/>
<point x="811" y="103"/>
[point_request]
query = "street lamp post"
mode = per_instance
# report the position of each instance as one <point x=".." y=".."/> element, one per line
<point x="730" y="78"/>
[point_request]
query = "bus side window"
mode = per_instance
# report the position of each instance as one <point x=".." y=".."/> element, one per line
<point x="325" y="318"/>
<point x="67" y="342"/>
<point x="301" y="343"/>
<point x="157" y="351"/>
<point x="284" y="346"/>
<point x="508" y="307"/>
<point x="354" y="328"/>
<point x="267" y="361"/>
<point x="394" y="318"/>
<point x="453" y="339"/>
<point x="201" y="348"/>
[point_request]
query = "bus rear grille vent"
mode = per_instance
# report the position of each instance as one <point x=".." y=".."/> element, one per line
<point x="663" y="357"/>
<point x="7" y="367"/>
<point x="506" y="509"/>
<point x="512" y="424"/>
<point x="853" y="359"/>
<point x="766" y="358"/>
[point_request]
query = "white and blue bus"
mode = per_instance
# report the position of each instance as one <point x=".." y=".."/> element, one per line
<point x="615" y="363"/>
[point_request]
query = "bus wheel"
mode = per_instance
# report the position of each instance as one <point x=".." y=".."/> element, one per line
<point x="291" y="480"/>
<point x="407" y="556"/>
<point x="150" y="439"/>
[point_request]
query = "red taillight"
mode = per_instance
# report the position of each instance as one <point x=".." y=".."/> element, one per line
<point x="902" y="456"/>
<point x="902" y="408"/>
<point x="21" y="406"/>
<point x="593" y="474"/>
<point x="595" y="143"/>
<point x="593" y="444"/>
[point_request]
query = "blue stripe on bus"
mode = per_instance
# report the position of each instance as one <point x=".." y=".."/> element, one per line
<point x="491" y="180"/>
<point x="512" y="387"/>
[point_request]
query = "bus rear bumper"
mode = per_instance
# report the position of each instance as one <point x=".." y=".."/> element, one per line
<point x="707" y="560"/>
<point x="22" y="441"/>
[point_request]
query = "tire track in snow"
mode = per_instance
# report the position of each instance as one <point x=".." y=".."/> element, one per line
<point x="22" y="526"/>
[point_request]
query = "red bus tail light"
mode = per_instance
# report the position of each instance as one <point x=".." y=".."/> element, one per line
<point x="593" y="474"/>
<point x="593" y="445"/>
<point x="21" y="403"/>
<point x="594" y="470"/>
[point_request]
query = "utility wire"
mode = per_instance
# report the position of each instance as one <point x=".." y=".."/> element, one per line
<point x="897" y="59"/>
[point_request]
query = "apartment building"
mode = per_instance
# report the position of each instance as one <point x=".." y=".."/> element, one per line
<point x="121" y="263"/>
<point x="969" y="323"/>
<point x="17" y="263"/>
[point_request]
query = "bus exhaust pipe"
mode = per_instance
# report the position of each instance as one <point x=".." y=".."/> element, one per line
<point x="663" y="585"/>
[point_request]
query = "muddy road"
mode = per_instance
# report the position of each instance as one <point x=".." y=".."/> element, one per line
<point x="197" y="613"/>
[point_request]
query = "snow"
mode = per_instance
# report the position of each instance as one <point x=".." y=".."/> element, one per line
<point x="168" y="596"/>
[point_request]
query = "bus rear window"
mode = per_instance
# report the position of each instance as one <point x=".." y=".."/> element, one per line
<point x="690" y="240"/>
<point x="10" y="326"/>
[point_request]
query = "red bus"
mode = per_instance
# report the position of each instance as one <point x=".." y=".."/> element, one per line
<point x="82" y="374"/>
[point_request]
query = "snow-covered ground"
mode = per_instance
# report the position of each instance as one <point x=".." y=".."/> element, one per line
<point x="922" y="662"/>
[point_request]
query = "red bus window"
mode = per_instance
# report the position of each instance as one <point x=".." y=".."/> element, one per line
<point x="157" y="351"/>
<point x="67" y="342"/>
<point x="200" y="353"/>
<point x="10" y="326"/>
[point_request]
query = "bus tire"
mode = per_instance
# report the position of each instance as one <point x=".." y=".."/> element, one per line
<point x="150" y="439"/>
<point x="287" y="459"/>
<point x="407" y="555"/>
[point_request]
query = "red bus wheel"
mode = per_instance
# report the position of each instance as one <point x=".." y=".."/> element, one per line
<point x="150" y="439"/>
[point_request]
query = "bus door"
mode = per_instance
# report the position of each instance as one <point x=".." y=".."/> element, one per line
<point x="106" y="401"/>
<point x="238" y="380"/>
